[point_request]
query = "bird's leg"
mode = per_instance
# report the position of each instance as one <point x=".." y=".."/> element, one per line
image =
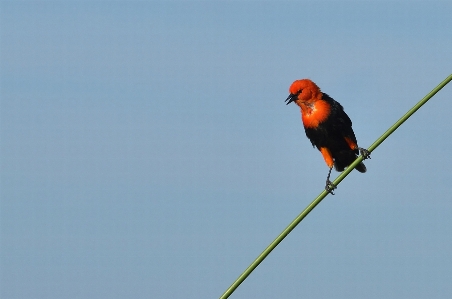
<point x="329" y="185"/>
<point x="365" y="153"/>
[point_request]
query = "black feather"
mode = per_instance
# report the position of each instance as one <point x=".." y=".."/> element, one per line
<point x="332" y="134"/>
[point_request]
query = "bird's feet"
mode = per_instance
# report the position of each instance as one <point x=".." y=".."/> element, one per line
<point x="365" y="153"/>
<point x="329" y="187"/>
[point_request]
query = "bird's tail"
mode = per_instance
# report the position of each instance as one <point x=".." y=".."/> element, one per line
<point x="345" y="158"/>
<point x="361" y="167"/>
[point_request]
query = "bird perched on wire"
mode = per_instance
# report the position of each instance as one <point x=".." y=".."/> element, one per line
<point x="327" y="126"/>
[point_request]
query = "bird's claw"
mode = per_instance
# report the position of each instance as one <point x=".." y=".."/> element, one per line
<point x="365" y="153"/>
<point x="330" y="187"/>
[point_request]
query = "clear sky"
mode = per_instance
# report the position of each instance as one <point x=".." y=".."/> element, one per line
<point x="147" y="152"/>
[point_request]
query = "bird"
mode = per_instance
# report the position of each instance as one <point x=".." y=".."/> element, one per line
<point x="328" y="128"/>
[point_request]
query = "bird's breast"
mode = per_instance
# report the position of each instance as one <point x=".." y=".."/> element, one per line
<point x="314" y="113"/>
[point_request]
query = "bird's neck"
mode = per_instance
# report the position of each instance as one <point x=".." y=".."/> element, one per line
<point x="314" y="112"/>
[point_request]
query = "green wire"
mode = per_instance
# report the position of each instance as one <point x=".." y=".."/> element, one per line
<point x="324" y="193"/>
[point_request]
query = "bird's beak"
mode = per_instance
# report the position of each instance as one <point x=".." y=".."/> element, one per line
<point x="292" y="97"/>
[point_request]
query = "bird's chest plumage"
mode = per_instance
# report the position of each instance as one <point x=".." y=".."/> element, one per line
<point x="314" y="113"/>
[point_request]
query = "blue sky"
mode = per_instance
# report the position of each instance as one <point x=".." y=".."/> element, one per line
<point x="146" y="150"/>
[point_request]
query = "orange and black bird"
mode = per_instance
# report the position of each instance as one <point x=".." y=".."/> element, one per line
<point x="327" y="126"/>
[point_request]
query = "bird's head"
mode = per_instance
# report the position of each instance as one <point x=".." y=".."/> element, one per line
<point x="303" y="91"/>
